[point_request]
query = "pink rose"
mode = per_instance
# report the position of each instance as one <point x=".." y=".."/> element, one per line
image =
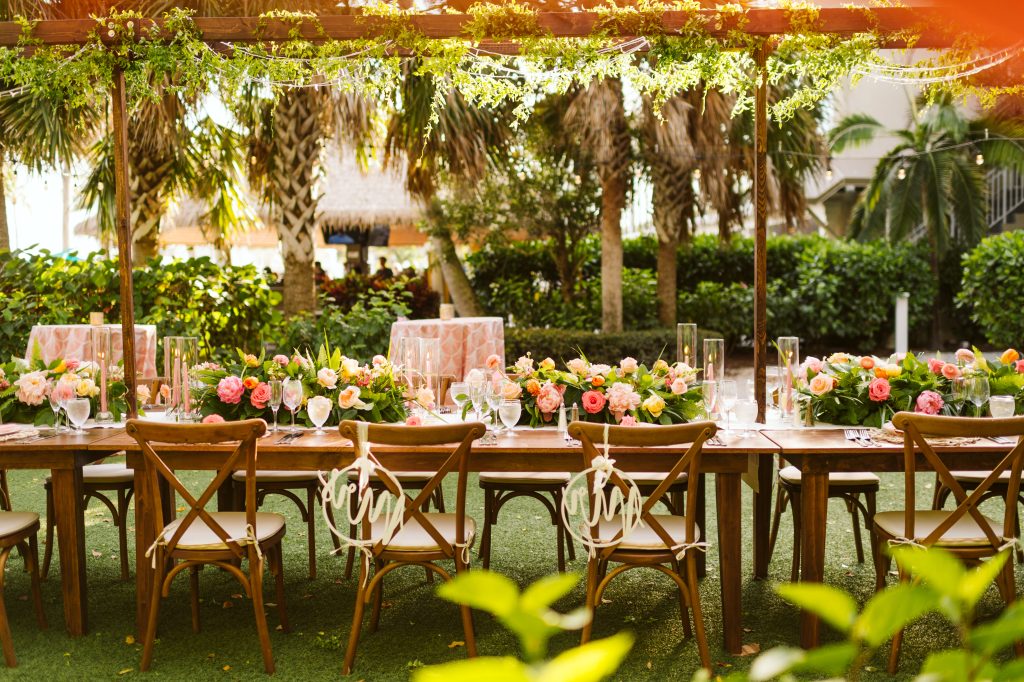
<point x="935" y="365"/>
<point x="929" y="402"/>
<point x="821" y="384"/>
<point x="281" y="360"/>
<point x="1019" y="366"/>
<point x="679" y="386"/>
<point x="230" y="390"/>
<point x="72" y="365"/>
<point x="628" y="420"/>
<point x="964" y="355"/>
<point x="32" y="387"/>
<point x="379" y="361"/>
<point x="950" y="371"/>
<point x="213" y="419"/>
<point x="812" y="365"/>
<point x="593" y="401"/>
<point x="413" y="420"/>
<point x="628" y="365"/>
<point x="260" y="396"/>
<point x="622" y="398"/>
<point x="493" y="362"/>
<point x="878" y="390"/>
<point x="549" y="398"/>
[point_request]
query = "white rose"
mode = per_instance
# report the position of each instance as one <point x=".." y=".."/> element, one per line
<point x="327" y="378"/>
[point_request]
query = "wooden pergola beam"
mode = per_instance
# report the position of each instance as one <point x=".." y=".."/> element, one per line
<point x="762" y="23"/>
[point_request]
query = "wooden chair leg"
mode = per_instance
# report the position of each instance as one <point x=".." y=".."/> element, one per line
<point x="377" y="596"/>
<point x="5" y="492"/>
<point x="256" y="585"/>
<point x="439" y="499"/>
<point x="154" y="610"/>
<point x="561" y="537"/>
<point x="194" y="593"/>
<point x="490" y="517"/>
<point x="122" y="531"/>
<point x="5" y="628"/>
<point x="684" y="609"/>
<point x="698" y="614"/>
<point x="37" y="593"/>
<point x="855" y="514"/>
<point x="794" y="503"/>
<point x="466" y="613"/>
<point x="50" y="524"/>
<point x="311" y="528"/>
<point x="781" y="500"/>
<point x="357" y="618"/>
<point x="937" y="498"/>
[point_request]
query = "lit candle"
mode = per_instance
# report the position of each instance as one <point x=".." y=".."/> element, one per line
<point x="186" y="392"/>
<point x="101" y="356"/>
<point x="175" y="377"/>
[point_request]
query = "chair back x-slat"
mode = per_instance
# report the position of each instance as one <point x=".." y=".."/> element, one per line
<point x="592" y="436"/>
<point x="461" y="435"/>
<point x="155" y="470"/>
<point x="918" y="427"/>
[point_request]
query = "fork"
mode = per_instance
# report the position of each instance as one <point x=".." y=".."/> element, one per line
<point x="854" y="435"/>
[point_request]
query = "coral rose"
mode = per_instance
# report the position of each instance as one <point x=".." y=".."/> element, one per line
<point x="679" y="386"/>
<point x="929" y="402"/>
<point x="867" y="362"/>
<point x="1009" y="356"/>
<point x="655" y="404"/>
<point x="879" y="389"/>
<point x="213" y="419"/>
<point x="821" y="384"/>
<point x="951" y="371"/>
<point x="1019" y="366"/>
<point x="250" y="382"/>
<point x="413" y="420"/>
<point x="593" y="401"/>
<point x="935" y="365"/>
<point x="260" y="396"/>
<point x="230" y="390"/>
<point x="597" y="380"/>
<point x="533" y="387"/>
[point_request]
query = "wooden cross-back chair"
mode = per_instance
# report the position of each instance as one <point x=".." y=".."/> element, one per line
<point x="965" y="531"/>
<point x="424" y="537"/>
<point x="19" y="529"/>
<point x="222" y="539"/>
<point x="662" y="537"/>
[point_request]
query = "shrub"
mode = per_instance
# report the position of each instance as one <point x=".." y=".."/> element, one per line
<point x="726" y="307"/>
<point x="993" y="275"/>
<point x="565" y="344"/>
<point x="346" y="291"/>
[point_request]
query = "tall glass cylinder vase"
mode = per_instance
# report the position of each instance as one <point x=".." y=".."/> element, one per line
<point x="714" y="359"/>
<point x="181" y="354"/>
<point x="102" y="356"/>
<point x="789" y="362"/>
<point x="429" y="371"/>
<point x="686" y="344"/>
<point x="405" y="356"/>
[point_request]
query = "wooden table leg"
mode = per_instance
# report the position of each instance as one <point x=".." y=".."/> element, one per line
<point x="702" y="558"/>
<point x="144" y="536"/>
<point x="763" y="513"/>
<point x="730" y="559"/>
<point x="813" y="515"/>
<point x="70" y="522"/>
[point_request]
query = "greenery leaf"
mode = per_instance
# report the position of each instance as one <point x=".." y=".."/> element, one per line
<point x="484" y="590"/>
<point x="996" y="636"/>
<point x="977" y="581"/>
<point x="941" y="570"/>
<point x="831" y="604"/>
<point x="505" y="668"/>
<point x="588" y="663"/>
<point x="548" y="590"/>
<point x="889" y="611"/>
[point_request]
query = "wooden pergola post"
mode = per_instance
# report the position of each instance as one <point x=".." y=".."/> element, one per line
<point x="122" y="201"/>
<point x="761" y="229"/>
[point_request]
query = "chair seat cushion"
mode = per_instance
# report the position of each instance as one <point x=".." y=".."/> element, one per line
<point x="278" y="476"/>
<point x="525" y="477"/>
<point x="199" y="536"/>
<point x="791" y="475"/>
<point x="12" y="523"/>
<point x="115" y="472"/>
<point x="402" y="476"/>
<point x="412" y="537"/>
<point x="655" y="477"/>
<point x="978" y="476"/>
<point x="965" y="532"/>
<point x="643" y="537"/>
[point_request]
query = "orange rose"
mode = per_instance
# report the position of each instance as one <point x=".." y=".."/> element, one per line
<point x="1009" y="356"/>
<point x="880" y="372"/>
<point x="251" y="382"/>
<point x="598" y="380"/>
<point x="533" y="387"/>
<point x="867" y="362"/>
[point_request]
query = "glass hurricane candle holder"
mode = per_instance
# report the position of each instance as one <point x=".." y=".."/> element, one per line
<point x="789" y="363"/>
<point x="714" y="359"/>
<point x="181" y="354"/>
<point x="686" y="344"/>
<point x="102" y="355"/>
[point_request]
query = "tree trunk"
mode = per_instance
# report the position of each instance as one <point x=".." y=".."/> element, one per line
<point x="65" y="217"/>
<point x="146" y="183"/>
<point x="667" y="285"/>
<point x="5" y="237"/>
<point x="566" y="277"/>
<point x="459" y="287"/>
<point x="613" y="199"/>
<point x="296" y="159"/>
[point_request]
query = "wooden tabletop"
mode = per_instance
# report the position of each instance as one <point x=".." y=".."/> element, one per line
<point x="53" y="452"/>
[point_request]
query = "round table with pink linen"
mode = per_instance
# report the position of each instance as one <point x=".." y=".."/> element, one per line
<point x="74" y="341"/>
<point x="466" y="342"/>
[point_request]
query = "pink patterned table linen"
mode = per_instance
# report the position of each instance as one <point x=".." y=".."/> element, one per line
<point x="466" y="342"/>
<point x="75" y="341"/>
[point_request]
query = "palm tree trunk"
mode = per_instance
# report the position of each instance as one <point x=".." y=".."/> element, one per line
<point x="667" y="288"/>
<point x="5" y="237"/>
<point x="613" y="199"/>
<point x="146" y="185"/>
<point x="459" y="287"/>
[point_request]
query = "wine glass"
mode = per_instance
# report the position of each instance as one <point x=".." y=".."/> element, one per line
<point x="509" y="412"/>
<point x="1001" y="406"/>
<point x="494" y="399"/>
<point x="478" y="393"/>
<point x="709" y="389"/>
<point x="746" y="414"/>
<point x="276" y="395"/>
<point x="727" y="395"/>
<point x="292" y="397"/>
<point x="978" y="392"/>
<point x="57" y="398"/>
<point x="78" y="412"/>
<point x="319" y="409"/>
<point x="460" y="394"/>
<point x="958" y="393"/>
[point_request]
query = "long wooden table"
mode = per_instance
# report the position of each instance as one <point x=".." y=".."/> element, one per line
<point x="539" y="450"/>
<point x="816" y="452"/>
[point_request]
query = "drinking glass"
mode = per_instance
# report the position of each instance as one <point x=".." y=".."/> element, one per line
<point x="276" y="395"/>
<point x="727" y="396"/>
<point x="292" y="397"/>
<point x="479" y="389"/>
<point x="460" y="394"/>
<point x="494" y="402"/>
<point x="958" y="393"/>
<point x="57" y="398"/>
<point x="78" y="412"/>
<point x="319" y="409"/>
<point x="709" y="389"/>
<point x="714" y="359"/>
<point x="977" y="392"/>
<point x="746" y="414"/>
<point x="509" y="411"/>
<point x="1001" y="406"/>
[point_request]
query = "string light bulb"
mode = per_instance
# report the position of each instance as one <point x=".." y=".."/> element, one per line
<point x="901" y="174"/>
<point x="696" y="174"/>
<point x="980" y="159"/>
<point x="828" y="168"/>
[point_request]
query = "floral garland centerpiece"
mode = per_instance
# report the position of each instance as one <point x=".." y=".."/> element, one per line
<point x="241" y="390"/>
<point x="629" y="393"/>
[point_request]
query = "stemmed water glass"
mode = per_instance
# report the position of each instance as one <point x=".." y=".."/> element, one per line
<point x="746" y="414"/>
<point x="728" y="396"/>
<point x="78" y="412"/>
<point x="977" y="392"/>
<point x="494" y="399"/>
<point x="292" y="397"/>
<point x="319" y="409"/>
<point x="276" y="395"/>
<point x="958" y="394"/>
<point x="709" y="389"/>
<point x="459" y="391"/>
<point x="509" y="412"/>
<point x="58" y="397"/>
<point x="478" y="392"/>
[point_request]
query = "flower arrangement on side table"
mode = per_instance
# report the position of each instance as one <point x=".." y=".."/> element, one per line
<point x="361" y="392"/>
<point x="628" y="393"/>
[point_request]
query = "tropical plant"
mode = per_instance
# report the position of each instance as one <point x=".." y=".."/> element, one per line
<point x="528" y="615"/>
<point x="993" y="274"/>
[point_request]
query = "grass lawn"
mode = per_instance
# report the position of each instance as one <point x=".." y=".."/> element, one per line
<point x="416" y="627"/>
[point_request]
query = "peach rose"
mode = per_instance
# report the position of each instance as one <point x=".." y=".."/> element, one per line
<point x="260" y="396"/>
<point x="250" y="382"/>
<point x="547" y="364"/>
<point x="413" y="420"/>
<point x="679" y="386"/>
<point x="549" y="398"/>
<point x="510" y="390"/>
<point x="493" y="362"/>
<point x="1009" y="356"/>
<point x="867" y="362"/>
<point x="965" y="355"/>
<point x="821" y="384"/>
<point x="349" y="398"/>
<point x="628" y="365"/>
<point x="950" y="371"/>
<point x="533" y="387"/>
<point x="597" y="380"/>
<point x="327" y="378"/>
<point x="379" y="361"/>
<point x="213" y="419"/>
<point x="578" y="366"/>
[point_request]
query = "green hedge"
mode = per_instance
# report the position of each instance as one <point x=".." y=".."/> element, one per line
<point x="993" y="277"/>
<point x="223" y="305"/>
<point x="563" y="344"/>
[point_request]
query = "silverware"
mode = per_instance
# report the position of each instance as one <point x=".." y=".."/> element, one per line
<point x="857" y="436"/>
<point x="1003" y="440"/>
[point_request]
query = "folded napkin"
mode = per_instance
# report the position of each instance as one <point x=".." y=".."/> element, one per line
<point x="9" y="428"/>
<point x="21" y="431"/>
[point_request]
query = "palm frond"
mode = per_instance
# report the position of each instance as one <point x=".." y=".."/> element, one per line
<point x="853" y="131"/>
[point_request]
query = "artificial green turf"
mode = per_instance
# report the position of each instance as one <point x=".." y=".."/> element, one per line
<point x="416" y="627"/>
